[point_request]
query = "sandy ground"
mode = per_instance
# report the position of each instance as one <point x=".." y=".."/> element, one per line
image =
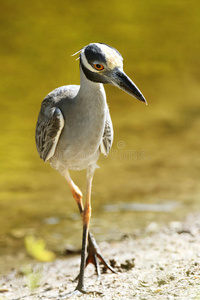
<point x="158" y="263"/>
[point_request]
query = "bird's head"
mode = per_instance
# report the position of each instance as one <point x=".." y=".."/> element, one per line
<point x="104" y="64"/>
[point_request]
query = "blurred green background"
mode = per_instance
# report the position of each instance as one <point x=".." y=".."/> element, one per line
<point x="153" y="171"/>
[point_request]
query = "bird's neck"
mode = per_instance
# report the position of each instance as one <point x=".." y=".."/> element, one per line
<point x="88" y="86"/>
<point x="92" y="97"/>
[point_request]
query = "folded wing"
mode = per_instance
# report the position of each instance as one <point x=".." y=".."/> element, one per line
<point x="49" y="127"/>
<point x="107" y="138"/>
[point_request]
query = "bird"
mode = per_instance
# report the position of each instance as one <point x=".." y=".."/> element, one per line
<point x="74" y="128"/>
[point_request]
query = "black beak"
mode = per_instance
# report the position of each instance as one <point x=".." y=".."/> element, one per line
<point x="122" y="81"/>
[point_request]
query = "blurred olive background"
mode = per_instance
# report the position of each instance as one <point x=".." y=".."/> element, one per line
<point x="153" y="171"/>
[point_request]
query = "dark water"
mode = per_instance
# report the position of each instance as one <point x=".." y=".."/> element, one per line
<point x="153" y="170"/>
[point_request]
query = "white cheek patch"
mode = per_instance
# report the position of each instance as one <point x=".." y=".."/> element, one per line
<point x="85" y="62"/>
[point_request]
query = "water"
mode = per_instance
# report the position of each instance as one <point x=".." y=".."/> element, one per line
<point x="155" y="157"/>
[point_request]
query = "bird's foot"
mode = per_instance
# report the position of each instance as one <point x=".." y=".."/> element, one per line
<point x="94" y="255"/>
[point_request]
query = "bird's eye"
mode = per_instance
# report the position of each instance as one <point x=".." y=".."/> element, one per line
<point x="98" y="67"/>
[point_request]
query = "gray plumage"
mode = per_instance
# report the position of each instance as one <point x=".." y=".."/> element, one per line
<point x="74" y="124"/>
<point x="63" y="135"/>
<point x="74" y="127"/>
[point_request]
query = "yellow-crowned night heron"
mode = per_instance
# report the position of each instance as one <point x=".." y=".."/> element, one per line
<point x="74" y="127"/>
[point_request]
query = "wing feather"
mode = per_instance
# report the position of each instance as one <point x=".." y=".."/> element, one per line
<point x="107" y="138"/>
<point x="49" y="127"/>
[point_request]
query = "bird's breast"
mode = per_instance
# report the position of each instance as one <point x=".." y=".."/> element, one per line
<point x="81" y="136"/>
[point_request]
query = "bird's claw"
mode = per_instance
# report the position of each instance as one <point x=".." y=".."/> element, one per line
<point x="93" y="255"/>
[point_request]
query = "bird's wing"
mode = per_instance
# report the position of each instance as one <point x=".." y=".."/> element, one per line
<point x="51" y="120"/>
<point x="48" y="129"/>
<point x="107" y="138"/>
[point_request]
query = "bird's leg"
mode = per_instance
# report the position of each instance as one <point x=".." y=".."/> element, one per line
<point x="76" y="192"/>
<point x="86" y="214"/>
<point x="93" y="248"/>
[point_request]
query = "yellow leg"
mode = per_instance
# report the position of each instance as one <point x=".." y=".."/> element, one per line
<point x="86" y="222"/>
<point x="93" y="249"/>
<point x="86" y="214"/>
<point x="76" y="192"/>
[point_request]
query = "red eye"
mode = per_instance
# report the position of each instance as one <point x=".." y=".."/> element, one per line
<point x="98" y="67"/>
